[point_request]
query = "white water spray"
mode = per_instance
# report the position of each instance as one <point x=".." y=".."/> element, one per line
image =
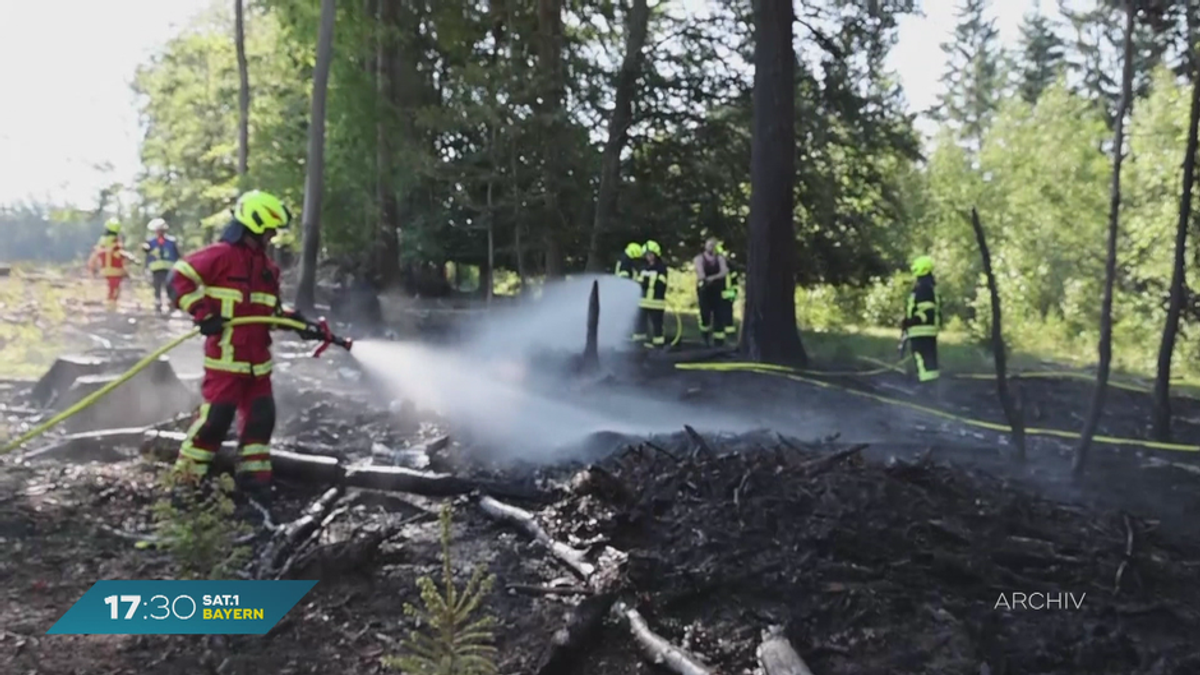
<point x="487" y="385"/>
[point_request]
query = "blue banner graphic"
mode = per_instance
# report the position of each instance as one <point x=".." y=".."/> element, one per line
<point x="152" y="607"/>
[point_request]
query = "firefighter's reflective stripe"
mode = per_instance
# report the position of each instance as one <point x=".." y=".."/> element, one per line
<point x="731" y="286"/>
<point x="195" y="460"/>
<point x="264" y="299"/>
<point x="107" y="251"/>
<point x="924" y="373"/>
<point x="622" y="271"/>
<point x="185" y="268"/>
<point x="228" y="297"/>
<point x="238" y="367"/>
<point x="154" y="255"/>
<point x="654" y="296"/>
<point x="186" y="302"/>
<point x="255" y="458"/>
<point x="929" y="314"/>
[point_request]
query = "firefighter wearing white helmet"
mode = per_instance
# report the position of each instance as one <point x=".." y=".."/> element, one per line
<point x="162" y="251"/>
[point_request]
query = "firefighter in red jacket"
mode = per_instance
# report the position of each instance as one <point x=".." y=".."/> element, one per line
<point x="235" y="278"/>
<point x="108" y="258"/>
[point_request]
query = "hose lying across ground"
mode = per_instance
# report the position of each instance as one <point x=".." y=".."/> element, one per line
<point x="90" y="399"/>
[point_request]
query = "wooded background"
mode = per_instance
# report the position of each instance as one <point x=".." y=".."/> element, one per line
<point x="559" y="130"/>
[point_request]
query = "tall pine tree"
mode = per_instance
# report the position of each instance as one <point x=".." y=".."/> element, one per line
<point x="1041" y="56"/>
<point x="973" y="79"/>
<point x="1094" y="46"/>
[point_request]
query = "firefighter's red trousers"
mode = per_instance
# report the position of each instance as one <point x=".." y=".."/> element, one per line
<point x="114" y="288"/>
<point x="226" y="395"/>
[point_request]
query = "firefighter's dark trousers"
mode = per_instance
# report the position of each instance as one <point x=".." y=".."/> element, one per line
<point x="159" y="278"/>
<point x="650" y="327"/>
<point x="712" y="315"/>
<point x="924" y="351"/>
<point x="731" y="328"/>
<point x="227" y="395"/>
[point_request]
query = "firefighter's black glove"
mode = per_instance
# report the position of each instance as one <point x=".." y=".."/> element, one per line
<point x="311" y="331"/>
<point x="211" y="325"/>
<point x="295" y="315"/>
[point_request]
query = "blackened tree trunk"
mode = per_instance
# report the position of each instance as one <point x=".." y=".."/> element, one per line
<point x="636" y="24"/>
<point x="1166" y="350"/>
<point x="239" y="40"/>
<point x="1012" y="410"/>
<point x="306" y="293"/>
<point x="1110" y="265"/>
<point x="769" y="322"/>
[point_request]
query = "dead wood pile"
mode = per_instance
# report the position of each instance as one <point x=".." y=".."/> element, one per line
<point x="898" y="568"/>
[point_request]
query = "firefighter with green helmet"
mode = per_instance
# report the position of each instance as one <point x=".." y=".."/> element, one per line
<point x="628" y="267"/>
<point x="652" y="308"/>
<point x="923" y="318"/>
<point x="627" y="264"/>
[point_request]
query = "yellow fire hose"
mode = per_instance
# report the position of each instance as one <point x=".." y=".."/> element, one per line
<point x="100" y="393"/>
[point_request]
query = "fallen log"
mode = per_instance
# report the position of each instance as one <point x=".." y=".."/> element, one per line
<point x="573" y="558"/>
<point x="88" y="445"/>
<point x="400" y="479"/>
<point x="657" y="650"/>
<point x="304" y="468"/>
<point x="530" y="589"/>
<point x="573" y="639"/>
<point x="164" y="446"/>
<point x="777" y="657"/>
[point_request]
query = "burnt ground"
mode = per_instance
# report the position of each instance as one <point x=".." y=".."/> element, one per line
<point x="895" y="560"/>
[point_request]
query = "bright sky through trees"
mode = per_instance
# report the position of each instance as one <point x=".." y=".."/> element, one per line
<point x="68" y="64"/>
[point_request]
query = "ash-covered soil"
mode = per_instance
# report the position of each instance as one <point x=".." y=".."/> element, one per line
<point x="909" y="557"/>
<point x="898" y="559"/>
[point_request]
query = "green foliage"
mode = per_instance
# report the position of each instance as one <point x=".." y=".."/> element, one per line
<point x="188" y="102"/>
<point x="197" y="525"/>
<point x="446" y="120"/>
<point x="973" y="78"/>
<point x="453" y="641"/>
<point x="1041" y="58"/>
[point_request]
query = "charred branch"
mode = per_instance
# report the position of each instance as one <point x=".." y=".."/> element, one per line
<point x="656" y="649"/>
<point x="526" y="521"/>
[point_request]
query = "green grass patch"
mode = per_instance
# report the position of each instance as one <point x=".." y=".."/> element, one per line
<point x="32" y="314"/>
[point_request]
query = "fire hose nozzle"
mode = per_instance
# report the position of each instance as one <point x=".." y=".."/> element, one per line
<point x="321" y="327"/>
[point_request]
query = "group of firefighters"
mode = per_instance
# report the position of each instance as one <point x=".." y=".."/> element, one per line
<point x="717" y="291"/>
<point x="109" y="257"/>
<point x="716" y="288"/>
<point x="236" y="278"/>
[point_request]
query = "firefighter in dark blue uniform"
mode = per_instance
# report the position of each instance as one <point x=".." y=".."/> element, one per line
<point x="162" y="251"/>
<point x="923" y="318"/>
<point x="652" y="308"/>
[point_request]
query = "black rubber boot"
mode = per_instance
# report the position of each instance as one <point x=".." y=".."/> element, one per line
<point x="255" y="502"/>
